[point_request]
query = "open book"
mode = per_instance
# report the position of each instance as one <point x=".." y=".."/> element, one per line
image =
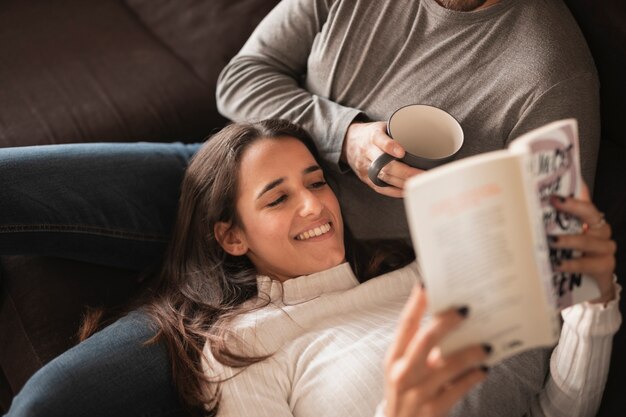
<point x="479" y="227"/>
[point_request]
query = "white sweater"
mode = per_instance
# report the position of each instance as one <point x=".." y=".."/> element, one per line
<point x="328" y="335"/>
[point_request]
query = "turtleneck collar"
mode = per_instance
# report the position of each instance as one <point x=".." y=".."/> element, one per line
<point x="306" y="287"/>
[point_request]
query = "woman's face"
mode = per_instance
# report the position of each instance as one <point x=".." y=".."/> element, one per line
<point x="290" y="220"/>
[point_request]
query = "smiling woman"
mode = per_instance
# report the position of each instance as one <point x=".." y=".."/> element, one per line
<point x="257" y="227"/>
<point x="289" y="220"/>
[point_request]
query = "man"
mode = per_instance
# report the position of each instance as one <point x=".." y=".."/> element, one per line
<point x="501" y="69"/>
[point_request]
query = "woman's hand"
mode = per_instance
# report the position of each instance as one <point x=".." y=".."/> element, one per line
<point x="364" y="142"/>
<point x="598" y="250"/>
<point x="418" y="380"/>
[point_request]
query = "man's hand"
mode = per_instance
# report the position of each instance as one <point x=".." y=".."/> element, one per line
<point x="364" y="142"/>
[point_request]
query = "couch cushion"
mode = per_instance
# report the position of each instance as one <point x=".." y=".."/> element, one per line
<point x="88" y="70"/>
<point x="205" y="33"/>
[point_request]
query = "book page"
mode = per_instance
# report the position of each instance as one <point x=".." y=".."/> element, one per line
<point x="554" y="165"/>
<point x="469" y="222"/>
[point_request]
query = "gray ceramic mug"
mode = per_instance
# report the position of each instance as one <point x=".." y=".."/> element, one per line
<point x="429" y="135"/>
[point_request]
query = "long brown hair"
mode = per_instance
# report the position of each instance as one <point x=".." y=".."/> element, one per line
<point x="200" y="285"/>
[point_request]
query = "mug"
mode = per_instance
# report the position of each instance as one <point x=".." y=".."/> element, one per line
<point x="429" y="135"/>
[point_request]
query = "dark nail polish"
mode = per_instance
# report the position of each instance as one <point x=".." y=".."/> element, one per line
<point x="463" y="311"/>
<point x="558" y="198"/>
<point x="487" y="348"/>
<point x="484" y="368"/>
<point x="553" y="238"/>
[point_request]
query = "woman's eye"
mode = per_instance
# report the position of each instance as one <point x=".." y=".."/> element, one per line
<point x="277" y="201"/>
<point x="318" y="184"/>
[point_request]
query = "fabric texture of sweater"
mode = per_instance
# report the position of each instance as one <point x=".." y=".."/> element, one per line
<point x="328" y="335"/>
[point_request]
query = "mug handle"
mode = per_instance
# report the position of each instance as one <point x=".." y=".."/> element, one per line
<point x="376" y="166"/>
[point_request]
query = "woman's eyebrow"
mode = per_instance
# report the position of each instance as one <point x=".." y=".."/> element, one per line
<point x="279" y="181"/>
<point x="269" y="186"/>
<point x="310" y="169"/>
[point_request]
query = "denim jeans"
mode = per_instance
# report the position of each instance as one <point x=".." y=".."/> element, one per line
<point x="110" y="204"/>
<point x="105" y="203"/>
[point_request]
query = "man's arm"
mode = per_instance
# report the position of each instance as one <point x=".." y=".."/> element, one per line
<point x="264" y="79"/>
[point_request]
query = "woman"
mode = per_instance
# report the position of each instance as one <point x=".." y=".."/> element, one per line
<point x="256" y="286"/>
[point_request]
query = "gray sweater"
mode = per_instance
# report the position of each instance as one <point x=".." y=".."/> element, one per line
<point x="328" y="335"/>
<point x="501" y="72"/>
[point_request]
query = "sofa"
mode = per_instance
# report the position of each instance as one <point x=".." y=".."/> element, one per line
<point x="126" y="70"/>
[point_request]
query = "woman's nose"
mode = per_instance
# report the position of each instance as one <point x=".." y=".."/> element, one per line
<point x="311" y="205"/>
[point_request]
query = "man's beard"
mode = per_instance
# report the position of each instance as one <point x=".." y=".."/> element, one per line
<point x="461" y="5"/>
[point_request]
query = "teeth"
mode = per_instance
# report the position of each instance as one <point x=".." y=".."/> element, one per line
<point x="318" y="231"/>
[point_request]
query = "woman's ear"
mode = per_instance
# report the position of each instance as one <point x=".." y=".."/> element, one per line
<point x="230" y="238"/>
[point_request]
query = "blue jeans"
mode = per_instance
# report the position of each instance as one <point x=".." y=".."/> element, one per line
<point x="105" y="203"/>
<point x="110" y="204"/>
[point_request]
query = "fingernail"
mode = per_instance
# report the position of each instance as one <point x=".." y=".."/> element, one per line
<point x="553" y="238"/>
<point x="558" y="198"/>
<point x="487" y="348"/>
<point x="484" y="368"/>
<point x="463" y="311"/>
<point x="557" y="262"/>
<point x="397" y="151"/>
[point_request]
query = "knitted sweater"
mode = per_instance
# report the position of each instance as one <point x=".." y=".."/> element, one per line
<point x="328" y="334"/>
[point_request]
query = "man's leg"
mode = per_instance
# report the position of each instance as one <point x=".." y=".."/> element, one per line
<point x="110" y="374"/>
<point x="111" y="204"/>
